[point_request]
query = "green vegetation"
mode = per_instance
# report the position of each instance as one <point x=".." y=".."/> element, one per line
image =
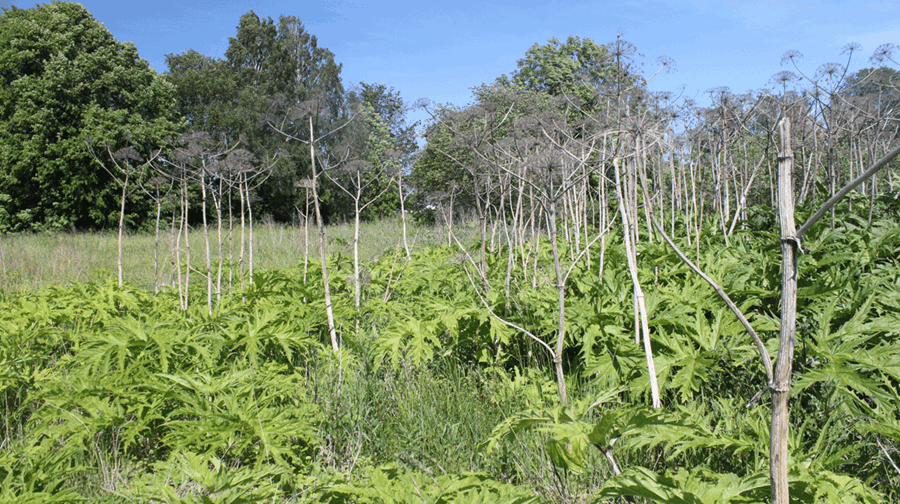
<point x="116" y="395"/>
<point x="65" y="81"/>
<point x="77" y="107"/>
<point x="35" y="261"/>
<point x="535" y="335"/>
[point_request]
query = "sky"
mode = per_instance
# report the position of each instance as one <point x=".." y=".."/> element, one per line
<point x="440" y="50"/>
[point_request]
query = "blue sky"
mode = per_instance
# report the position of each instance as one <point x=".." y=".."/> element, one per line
<point x="439" y="50"/>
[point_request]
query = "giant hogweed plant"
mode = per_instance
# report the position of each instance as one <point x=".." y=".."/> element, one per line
<point x="136" y="384"/>
<point x="429" y="312"/>
<point x="848" y="357"/>
<point x="843" y="361"/>
<point x="434" y="309"/>
<point x="398" y="484"/>
<point x="705" y="356"/>
<point x="115" y="388"/>
<point x="143" y="401"/>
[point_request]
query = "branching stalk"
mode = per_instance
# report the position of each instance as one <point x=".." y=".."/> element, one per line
<point x="763" y="352"/>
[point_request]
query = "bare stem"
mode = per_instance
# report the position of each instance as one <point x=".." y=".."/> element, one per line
<point x="881" y="163"/>
<point x="763" y="352"/>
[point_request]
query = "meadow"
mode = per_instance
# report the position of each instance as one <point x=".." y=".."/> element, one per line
<point x="36" y="260"/>
<point x="441" y="391"/>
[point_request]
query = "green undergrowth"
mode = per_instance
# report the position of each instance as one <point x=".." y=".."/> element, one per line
<point x="116" y="395"/>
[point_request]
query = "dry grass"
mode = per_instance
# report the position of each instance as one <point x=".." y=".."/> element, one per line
<point x="32" y="261"/>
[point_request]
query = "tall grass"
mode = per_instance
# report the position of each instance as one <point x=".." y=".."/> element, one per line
<point x="33" y="261"/>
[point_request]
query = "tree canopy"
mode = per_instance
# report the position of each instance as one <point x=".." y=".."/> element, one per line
<point x="283" y="64"/>
<point x="569" y="67"/>
<point x="64" y="79"/>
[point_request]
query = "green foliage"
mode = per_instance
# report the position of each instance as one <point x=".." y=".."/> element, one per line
<point x="276" y="63"/>
<point x="209" y="96"/>
<point x="699" y="485"/>
<point x="117" y="390"/>
<point x="391" y="110"/>
<point x="685" y="486"/>
<point x="708" y="370"/>
<point x="269" y="66"/>
<point x="576" y="68"/>
<point x="64" y="80"/>
<point x="369" y="181"/>
<point x="398" y="485"/>
<point x="37" y="473"/>
<point x="213" y="482"/>
<point x="136" y="382"/>
<point x="442" y="318"/>
<point x="439" y="172"/>
<point x="878" y="84"/>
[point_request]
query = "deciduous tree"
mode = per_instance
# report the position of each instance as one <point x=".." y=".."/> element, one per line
<point x="64" y="78"/>
<point x="283" y="62"/>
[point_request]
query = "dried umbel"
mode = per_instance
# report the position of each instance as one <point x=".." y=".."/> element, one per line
<point x="158" y="181"/>
<point x="548" y="159"/>
<point x="882" y="53"/>
<point x="353" y="167"/>
<point x="240" y="161"/>
<point x="128" y="154"/>
<point x="784" y="78"/>
<point x="791" y="56"/>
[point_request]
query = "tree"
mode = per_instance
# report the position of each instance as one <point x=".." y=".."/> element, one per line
<point x="267" y="64"/>
<point x="583" y="76"/>
<point x="882" y="82"/>
<point x="64" y="79"/>
<point x="440" y="169"/>
<point x="213" y="102"/>
<point x="283" y="63"/>
<point x="388" y="105"/>
<point x="399" y="141"/>
<point x="573" y="68"/>
<point x="579" y="69"/>
<point x="383" y="138"/>
<point x="210" y="97"/>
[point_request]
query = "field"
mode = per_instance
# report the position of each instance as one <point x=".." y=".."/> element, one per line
<point x="443" y="387"/>
<point x="33" y="261"/>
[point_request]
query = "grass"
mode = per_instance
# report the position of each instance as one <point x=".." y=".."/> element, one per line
<point x="434" y="418"/>
<point x="33" y="261"/>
